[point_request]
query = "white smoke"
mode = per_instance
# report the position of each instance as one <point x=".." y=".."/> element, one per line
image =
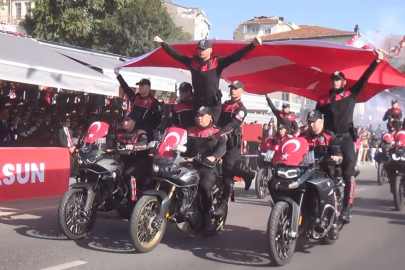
<point x="391" y="21"/>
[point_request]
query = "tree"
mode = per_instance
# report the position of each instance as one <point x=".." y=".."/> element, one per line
<point x="75" y="22"/>
<point x="124" y="27"/>
<point x="131" y="29"/>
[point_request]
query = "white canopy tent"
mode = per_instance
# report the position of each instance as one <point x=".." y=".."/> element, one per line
<point x="25" y="60"/>
<point x="106" y="62"/>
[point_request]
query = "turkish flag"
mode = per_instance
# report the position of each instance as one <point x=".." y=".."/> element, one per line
<point x="301" y="67"/>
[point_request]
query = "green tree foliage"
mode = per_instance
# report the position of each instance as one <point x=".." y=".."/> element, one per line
<point x="125" y="27"/>
<point x="75" y="22"/>
<point x="130" y="31"/>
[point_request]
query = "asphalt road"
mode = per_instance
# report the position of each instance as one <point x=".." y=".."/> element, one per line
<point x="30" y="238"/>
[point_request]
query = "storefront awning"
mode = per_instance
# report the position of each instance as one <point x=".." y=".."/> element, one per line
<point x="25" y="60"/>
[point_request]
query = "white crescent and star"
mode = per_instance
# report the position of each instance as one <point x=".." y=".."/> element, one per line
<point x="98" y="124"/>
<point x="297" y="146"/>
<point x="266" y="141"/>
<point x="172" y="134"/>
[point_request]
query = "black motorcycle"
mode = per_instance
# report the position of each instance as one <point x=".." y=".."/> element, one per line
<point x="308" y="198"/>
<point x="381" y="158"/>
<point x="266" y="151"/>
<point x="99" y="187"/>
<point x="396" y="170"/>
<point x="175" y="197"/>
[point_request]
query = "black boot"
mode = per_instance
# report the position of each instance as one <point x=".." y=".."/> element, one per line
<point x="346" y="214"/>
<point x="221" y="210"/>
<point x="208" y="227"/>
<point x="248" y="177"/>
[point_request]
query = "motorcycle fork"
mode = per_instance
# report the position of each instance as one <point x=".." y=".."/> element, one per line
<point x="91" y="195"/>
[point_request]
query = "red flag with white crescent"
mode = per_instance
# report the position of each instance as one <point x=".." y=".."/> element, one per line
<point x="301" y="67"/>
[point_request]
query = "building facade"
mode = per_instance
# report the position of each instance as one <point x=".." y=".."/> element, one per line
<point x="193" y="20"/>
<point x="260" y="26"/>
<point x="12" y="12"/>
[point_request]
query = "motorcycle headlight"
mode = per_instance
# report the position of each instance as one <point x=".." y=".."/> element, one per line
<point x="380" y="150"/>
<point x="289" y="173"/>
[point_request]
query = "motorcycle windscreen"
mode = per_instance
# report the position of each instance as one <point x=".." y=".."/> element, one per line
<point x="268" y="144"/>
<point x="388" y="138"/>
<point x="96" y="130"/>
<point x="173" y="136"/>
<point x="400" y="138"/>
<point x="291" y="152"/>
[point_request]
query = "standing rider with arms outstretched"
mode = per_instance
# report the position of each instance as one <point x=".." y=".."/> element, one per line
<point x="338" y="108"/>
<point x="206" y="71"/>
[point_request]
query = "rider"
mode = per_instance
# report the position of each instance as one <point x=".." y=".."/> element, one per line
<point x="200" y="144"/>
<point x="183" y="114"/>
<point x="290" y="122"/>
<point x="206" y="71"/>
<point x="393" y="116"/>
<point x="137" y="160"/>
<point x="323" y="140"/>
<point x="338" y="107"/>
<point x="232" y="116"/>
<point x="283" y="132"/>
<point x="145" y="107"/>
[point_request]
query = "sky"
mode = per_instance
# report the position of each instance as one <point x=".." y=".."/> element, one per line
<point x="386" y="17"/>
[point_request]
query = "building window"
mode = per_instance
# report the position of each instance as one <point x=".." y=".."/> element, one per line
<point x="28" y="8"/>
<point x="267" y="31"/>
<point x="252" y="29"/>
<point x="18" y="10"/>
<point x="286" y="96"/>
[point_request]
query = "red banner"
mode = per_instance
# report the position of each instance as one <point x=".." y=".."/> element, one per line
<point x="27" y="173"/>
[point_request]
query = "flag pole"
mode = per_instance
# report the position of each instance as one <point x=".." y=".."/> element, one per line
<point x="374" y="44"/>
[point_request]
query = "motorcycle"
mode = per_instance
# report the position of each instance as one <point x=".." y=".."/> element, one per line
<point x="308" y="196"/>
<point x="175" y="197"/>
<point x="381" y="157"/>
<point x="99" y="185"/>
<point x="397" y="165"/>
<point x="266" y="151"/>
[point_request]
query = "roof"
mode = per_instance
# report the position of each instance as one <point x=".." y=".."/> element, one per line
<point x="307" y="31"/>
<point x="261" y="20"/>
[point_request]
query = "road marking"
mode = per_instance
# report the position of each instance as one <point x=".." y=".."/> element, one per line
<point x="65" y="265"/>
<point x="18" y="211"/>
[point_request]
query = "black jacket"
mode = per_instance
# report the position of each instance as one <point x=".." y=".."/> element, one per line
<point x="287" y="119"/>
<point x="338" y="108"/>
<point x="200" y="142"/>
<point x="147" y="109"/>
<point x="205" y="75"/>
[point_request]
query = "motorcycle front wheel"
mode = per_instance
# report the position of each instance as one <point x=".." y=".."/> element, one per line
<point x="281" y="244"/>
<point x="261" y="183"/>
<point x="146" y="232"/>
<point x="381" y="174"/>
<point x="398" y="193"/>
<point x="73" y="220"/>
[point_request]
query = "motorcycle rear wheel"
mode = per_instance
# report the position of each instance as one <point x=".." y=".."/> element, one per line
<point x="398" y="193"/>
<point x="281" y="245"/>
<point x="381" y="174"/>
<point x="261" y="184"/>
<point x="72" y="222"/>
<point x="145" y="236"/>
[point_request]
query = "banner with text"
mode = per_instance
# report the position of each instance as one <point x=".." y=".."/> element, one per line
<point x="27" y="173"/>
